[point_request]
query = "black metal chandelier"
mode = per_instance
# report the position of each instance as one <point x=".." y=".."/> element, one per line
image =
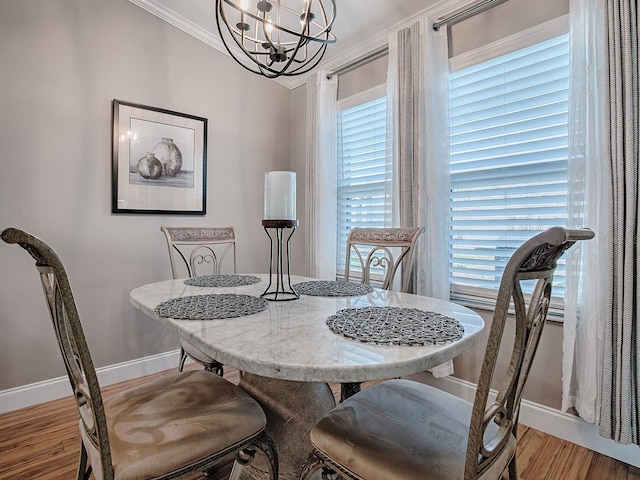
<point x="279" y="37"/>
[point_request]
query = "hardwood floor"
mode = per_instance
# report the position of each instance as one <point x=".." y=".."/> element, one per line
<point x="43" y="442"/>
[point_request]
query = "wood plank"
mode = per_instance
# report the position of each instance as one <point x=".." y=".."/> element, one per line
<point x="634" y="473"/>
<point x="605" y="467"/>
<point x="570" y="463"/>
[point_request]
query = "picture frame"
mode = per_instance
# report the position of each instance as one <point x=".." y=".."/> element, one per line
<point x="159" y="161"/>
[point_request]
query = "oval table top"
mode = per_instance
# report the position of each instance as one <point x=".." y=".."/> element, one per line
<point x="290" y="340"/>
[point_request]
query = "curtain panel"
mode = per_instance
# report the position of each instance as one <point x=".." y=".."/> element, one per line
<point x="320" y="177"/>
<point x="418" y="110"/>
<point x="621" y="377"/>
<point x="585" y="301"/>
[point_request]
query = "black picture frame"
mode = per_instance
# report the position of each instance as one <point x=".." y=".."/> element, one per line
<point x="159" y="161"/>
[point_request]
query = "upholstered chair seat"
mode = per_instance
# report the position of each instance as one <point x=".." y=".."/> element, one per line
<point x="401" y="429"/>
<point x="165" y="425"/>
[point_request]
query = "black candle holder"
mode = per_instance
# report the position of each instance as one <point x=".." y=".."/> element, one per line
<point x="281" y="291"/>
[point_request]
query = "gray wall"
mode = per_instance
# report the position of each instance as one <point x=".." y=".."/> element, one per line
<point x="61" y="64"/>
<point x="545" y="381"/>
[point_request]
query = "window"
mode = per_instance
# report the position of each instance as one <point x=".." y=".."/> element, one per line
<point x="363" y="193"/>
<point x="509" y="148"/>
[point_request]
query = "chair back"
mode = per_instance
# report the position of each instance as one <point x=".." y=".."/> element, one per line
<point x="72" y="343"/>
<point x="536" y="260"/>
<point x="375" y="247"/>
<point x="200" y="247"/>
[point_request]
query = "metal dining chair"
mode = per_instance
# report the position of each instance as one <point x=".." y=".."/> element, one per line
<point x="195" y="251"/>
<point x="374" y="249"/>
<point x="169" y="428"/>
<point x="406" y="430"/>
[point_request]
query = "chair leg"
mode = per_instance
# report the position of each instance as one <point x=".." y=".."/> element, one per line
<point x="348" y="390"/>
<point x="84" y="470"/>
<point x="513" y="471"/>
<point x="264" y="443"/>
<point x="215" y="367"/>
<point x="183" y="358"/>
<point x="312" y="464"/>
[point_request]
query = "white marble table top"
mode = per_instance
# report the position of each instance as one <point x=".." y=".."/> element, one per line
<point x="291" y="341"/>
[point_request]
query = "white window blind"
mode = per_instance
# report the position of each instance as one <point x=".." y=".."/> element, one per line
<point x="363" y="195"/>
<point x="509" y="148"/>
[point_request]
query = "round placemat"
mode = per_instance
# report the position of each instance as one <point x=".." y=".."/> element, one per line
<point x="222" y="280"/>
<point x="395" y="326"/>
<point x="336" y="288"/>
<point x="211" y="307"/>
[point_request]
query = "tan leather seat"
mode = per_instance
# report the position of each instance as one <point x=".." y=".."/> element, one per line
<point x="166" y="424"/>
<point x="399" y="430"/>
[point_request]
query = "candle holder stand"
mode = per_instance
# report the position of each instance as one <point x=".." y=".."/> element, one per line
<point x="282" y="291"/>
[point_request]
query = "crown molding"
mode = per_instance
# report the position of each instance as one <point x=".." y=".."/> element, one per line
<point x="187" y="26"/>
<point x="438" y="10"/>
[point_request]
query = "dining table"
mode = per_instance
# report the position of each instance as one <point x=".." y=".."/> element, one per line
<point x="289" y="351"/>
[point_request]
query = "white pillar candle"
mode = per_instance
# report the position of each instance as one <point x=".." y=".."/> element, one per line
<point x="280" y="196"/>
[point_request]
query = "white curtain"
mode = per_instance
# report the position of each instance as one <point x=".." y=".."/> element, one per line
<point x="418" y="107"/>
<point x="321" y="204"/>
<point x="585" y="302"/>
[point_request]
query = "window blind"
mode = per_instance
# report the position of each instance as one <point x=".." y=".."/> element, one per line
<point x="509" y="148"/>
<point x="363" y="194"/>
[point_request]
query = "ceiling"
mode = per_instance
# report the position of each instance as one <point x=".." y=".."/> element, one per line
<point x="357" y="24"/>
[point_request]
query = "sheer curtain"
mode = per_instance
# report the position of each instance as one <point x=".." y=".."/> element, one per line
<point x="620" y="413"/>
<point x="418" y="109"/>
<point x="320" y="178"/>
<point x="585" y="302"/>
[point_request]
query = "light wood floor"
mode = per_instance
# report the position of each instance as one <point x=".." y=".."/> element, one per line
<point x="43" y="442"/>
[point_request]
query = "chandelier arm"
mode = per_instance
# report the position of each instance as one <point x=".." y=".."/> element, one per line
<point x="310" y="66"/>
<point x="316" y="37"/>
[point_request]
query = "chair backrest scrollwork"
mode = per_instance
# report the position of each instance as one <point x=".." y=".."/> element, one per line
<point x="374" y="249"/>
<point x="199" y="247"/>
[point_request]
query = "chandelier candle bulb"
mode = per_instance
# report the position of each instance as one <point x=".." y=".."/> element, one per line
<point x="280" y="196"/>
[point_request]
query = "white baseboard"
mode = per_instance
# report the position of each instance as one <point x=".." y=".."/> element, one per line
<point x="550" y="421"/>
<point x="55" y="388"/>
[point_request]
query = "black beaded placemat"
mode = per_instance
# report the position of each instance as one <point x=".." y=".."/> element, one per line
<point x="211" y="307"/>
<point x="222" y="280"/>
<point x="395" y="326"/>
<point x="336" y="288"/>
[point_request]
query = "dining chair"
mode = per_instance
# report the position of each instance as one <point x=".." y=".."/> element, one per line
<point x="193" y="251"/>
<point x="406" y="430"/>
<point x="169" y="428"/>
<point x="374" y="249"/>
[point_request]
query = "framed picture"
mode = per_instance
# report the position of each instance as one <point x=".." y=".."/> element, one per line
<point x="159" y="161"/>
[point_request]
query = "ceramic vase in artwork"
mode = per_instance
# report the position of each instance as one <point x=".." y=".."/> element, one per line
<point x="169" y="154"/>
<point x="149" y="166"/>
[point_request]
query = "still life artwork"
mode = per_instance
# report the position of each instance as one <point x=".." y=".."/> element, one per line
<point x="159" y="160"/>
<point x="163" y="162"/>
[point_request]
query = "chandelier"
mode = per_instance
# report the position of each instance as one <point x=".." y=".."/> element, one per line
<point x="278" y="37"/>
